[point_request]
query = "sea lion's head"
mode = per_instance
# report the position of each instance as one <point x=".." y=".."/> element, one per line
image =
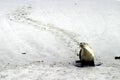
<point x="83" y="44"/>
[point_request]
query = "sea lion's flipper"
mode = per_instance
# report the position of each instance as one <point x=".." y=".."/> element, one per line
<point x="99" y="64"/>
<point x="77" y="61"/>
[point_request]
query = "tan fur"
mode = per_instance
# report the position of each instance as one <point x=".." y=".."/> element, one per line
<point x="87" y="52"/>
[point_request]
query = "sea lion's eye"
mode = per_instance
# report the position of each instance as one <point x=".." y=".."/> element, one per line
<point x="80" y="43"/>
<point x="84" y="43"/>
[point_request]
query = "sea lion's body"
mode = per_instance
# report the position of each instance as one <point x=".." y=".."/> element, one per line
<point x="86" y="55"/>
